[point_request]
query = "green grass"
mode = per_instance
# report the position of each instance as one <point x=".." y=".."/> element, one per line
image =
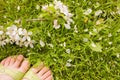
<point x="101" y="62"/>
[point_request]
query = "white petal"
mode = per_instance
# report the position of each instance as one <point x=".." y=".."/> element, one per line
<point x="28" y="38"/>
<point x="42" y="43"/>
<point x="68" y="51"/>
<point x="23" y="39"/>
<point x="20" y="31"/>
<point x="1" y="32"/>
<point x="31" y="45"/>
<point x="67" y="26"/>
<point x="29" y="33"/>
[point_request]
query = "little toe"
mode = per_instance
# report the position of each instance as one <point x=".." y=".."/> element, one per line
<point x="24" y="66"/>
<point x="46" y="75"/>
<point x="18" y="61"/>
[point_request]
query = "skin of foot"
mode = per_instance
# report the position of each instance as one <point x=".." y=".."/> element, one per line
<point x="18" y="63"/>
<point x="42" y="72"/>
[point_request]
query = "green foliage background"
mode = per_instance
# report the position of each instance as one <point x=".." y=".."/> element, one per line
<point x="88" y="63"/>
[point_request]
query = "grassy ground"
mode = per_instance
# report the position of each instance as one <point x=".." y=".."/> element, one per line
<point x="89" y="51"/>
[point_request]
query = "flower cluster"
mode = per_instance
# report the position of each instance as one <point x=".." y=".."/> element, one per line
<point x="60" y="9"/>
<point x="3" y="39"/>
<point x="15" y="35"/>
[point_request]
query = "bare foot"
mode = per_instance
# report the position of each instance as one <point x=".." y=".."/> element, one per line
<point x="42" y="72"/>
<point x="17" y="63"/>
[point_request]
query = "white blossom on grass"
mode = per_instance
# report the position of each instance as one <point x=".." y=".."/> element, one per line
<point x="29" y="43"/>
<point x="42" y="43"/>
<point x="45" y="7"/>
<point x="85" y="30"/>
<point x="68" y="64"/>
<point x="95" y="30"/>
<point x="85" y="39"/>
<point x="93" y="45"/>
<point x="110" y="43"/>
<point x="17" y="21"/>
<point x="37" y="7"/>
<point x="75" y="29"/>
<point x="67" y="26"/>
<point x="56" y="25"/>
<point x="69" y="60"/>
<point x="18" y="8"/>
<point x="118" y="55"/>
<point x="98" y="22"/>
<point x="110" y="35"/>
<point x="26" y="35"/>
<point x="88" y="11"/>
<point x="1" y="32"/>
<point x="97" y="13"/>
<point x="59" y="9"/>
<point x="19" y="36"/>
<point x="51" y="45"/>
<point x="118" y="10"/>
<point x="68" y="51"/>
<point x="2" y="43"/>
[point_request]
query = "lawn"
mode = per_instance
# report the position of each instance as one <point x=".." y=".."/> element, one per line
<point x="77" y="39"/>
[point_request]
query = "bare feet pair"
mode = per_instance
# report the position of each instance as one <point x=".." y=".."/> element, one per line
<point x="18" y="68"/>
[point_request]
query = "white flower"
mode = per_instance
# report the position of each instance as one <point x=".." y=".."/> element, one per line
<point x="45" y="7"/>
<point x="75" y="29"/>
<point x="69" y="60"/>
<point x="90" y="33"/>
<point x="42" y="43"/>
<point x="1" y="32"/>
<point x="2" y="43"/>
<point x="88" y="11"/>
<point x="110" y="43"/>
<point x="29" y="43"/>
<point x="49" y="34"/>
<point x="100" y="38"/>
<point x="98" y="22"/>
<point x="97" y="13"/>
<point x="7" y="40"/>
<point x="68" y="51"/>
<point x="85" y="39"/>
<point x="4" y="16"/>
<point x="51" y="45"/>
<point x="93" y="45"/>
<point x="17" y="21"/>
<point x="11" y="31"/>
<point x="26" y="35"/>
<point x="56" y="25"/>
<point x="118" y="8"/>
<point x="110" y="35"/>
<point x="19" y="36"/>
<point x="86" y="30"/>
<point x="95" y="30"/>
<point x="64" y="44"/>
<point x="20" y="31"/>
<point x="67" y="26"/>
<point x="68" y="64"/>
<point x="118" y="55"/>
<point x="18" y="8"/>
<point x="37" y="7"/>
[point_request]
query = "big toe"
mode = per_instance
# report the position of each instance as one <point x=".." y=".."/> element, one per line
<point x="24" y="66"/>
